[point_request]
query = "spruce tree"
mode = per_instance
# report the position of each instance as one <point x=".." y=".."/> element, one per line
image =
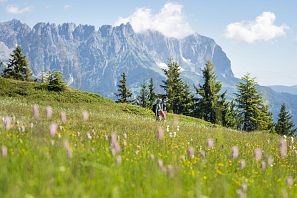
<point x="123" y="92"/>
<point x="143" y="98"/>
<point x="180" y="99"/>
<point x="17" y="67"/>
<point x="285" y="125"/>
<point x="152" y="94"/>
<point x="209" y="92"/>
<point x="254" y="113"/>
<point x="228" y="113"/>
<point x="55" y="81"/>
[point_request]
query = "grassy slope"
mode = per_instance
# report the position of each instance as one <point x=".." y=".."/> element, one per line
<point x="36" y="168"/>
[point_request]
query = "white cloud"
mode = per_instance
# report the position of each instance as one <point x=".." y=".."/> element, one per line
<point x="13" y="9"/>
<point x="2" y="1"/>
<point x="170" y="21"/>
<point x="262" y="28"/>
<point x="66" y="7"/>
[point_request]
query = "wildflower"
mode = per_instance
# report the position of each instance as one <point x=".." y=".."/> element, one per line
<point x="167" y="128"/>
<point x="289" y="181"/>
<point x="160" y="163"/>
<point x="292" y="139"/>
<point x="125" y="135"/>
<point x="244" y="187"/>
<point x="125" y="143"/>
<point x="183" y="157"/>
<point x="174" y="134"/>
<point x="49" y="112"/>
<point x="85" y="116"/>
<point x="4" y="151"/>
<point x="170" y="134"/>
<point x="106" y="137"/>
<point x="78" y="134"/>
<point x="89" y="136"/>
<point x="240" y="193"/>
<point x="263" y="165"/>
<point x="52" y="142"/>
<point x="68" y="148"/>
<point x="63" y="117"/>
<point x="7" y="122"/>
<point x="118" y="160"/>
<point x="202" y="154"/>
<point x="175" y="121"/>
<point x="53" y="129"/>
<point x="191" y="152"/>
<point x="170" y="171"/>
<point x="270" y="160"/>
<point x="152" y="157"/>
<point x="242" y="164"/>
<point x="35" y="111"/>
<point x="177" y="128"/>
<point x="258" y="154"/>
<point x="235" y="152"/>
<point x="210" y="143"/>
<point x="160" y="133"/>
<point x="31" y="125"/>
<point x="283" y="148"/>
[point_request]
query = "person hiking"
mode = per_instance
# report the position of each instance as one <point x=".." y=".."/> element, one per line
<point x="164" y="107"/>
<point x="158" y="109"/>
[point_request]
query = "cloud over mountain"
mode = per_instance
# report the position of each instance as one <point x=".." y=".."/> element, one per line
<point x="263" y="28"/>
<point x="170" y="21"/>
<point x="13" y="9"/>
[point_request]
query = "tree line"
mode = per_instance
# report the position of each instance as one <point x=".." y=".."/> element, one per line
<point x="249" y="110"/>
<point x="17" y="68"/>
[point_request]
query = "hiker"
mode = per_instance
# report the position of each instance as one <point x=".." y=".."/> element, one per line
<point x="164" y="107"/>
<point x="158" y="109"/>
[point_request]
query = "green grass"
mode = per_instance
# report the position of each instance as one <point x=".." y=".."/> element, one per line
<point x="34" y="167"/>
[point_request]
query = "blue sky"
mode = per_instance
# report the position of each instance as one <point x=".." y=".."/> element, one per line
<point x="260" y="37"/>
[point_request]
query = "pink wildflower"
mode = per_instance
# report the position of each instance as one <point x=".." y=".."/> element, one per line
<point x="160" y="133"/>
<point x="49" y="112"/>
<point x="35" y="111"/>
<point x="53" y="129"/>
<point x="4" y="151"/>
<point x="7" y="122"/>
<point x="191" y="152"/>
<point x="210" y="143"/>
<point x="235" y="152"/>
<point x="289" y="181"/>
<point x="283" y="148"/>
<point x="63" y="117"/>
<point x="258" y="154"/>
<point x="242" y="164"/>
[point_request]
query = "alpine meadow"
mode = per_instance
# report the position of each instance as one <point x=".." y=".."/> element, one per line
<point x="146" y="107"/>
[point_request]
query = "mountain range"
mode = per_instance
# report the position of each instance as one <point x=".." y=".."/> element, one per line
<point x="93" y="59"/>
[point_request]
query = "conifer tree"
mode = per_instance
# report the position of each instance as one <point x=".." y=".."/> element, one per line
<point x="17" y="67"/>
<point x="143" y="98"/>
<point x="285" y="125"/>
<point x="228" y="112"/>
<point x="55" y="81"/>
<point x="254" y="113"/>
<point x="209" y="92"/>
<point x="123" y="92"/>
<point x="152" y="93"/>
<point x="180" y="100"/>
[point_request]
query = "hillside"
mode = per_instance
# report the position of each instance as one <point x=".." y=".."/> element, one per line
<point x="115" y="152"/>
<point x="93" y="60"/>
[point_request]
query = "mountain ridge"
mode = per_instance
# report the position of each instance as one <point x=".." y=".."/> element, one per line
<point x="94" y="59"/>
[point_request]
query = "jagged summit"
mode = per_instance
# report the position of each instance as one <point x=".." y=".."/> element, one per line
<point x="95" y="59"/>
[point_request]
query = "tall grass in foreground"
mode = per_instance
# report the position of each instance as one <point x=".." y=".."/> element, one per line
<point x="54" y="149"/>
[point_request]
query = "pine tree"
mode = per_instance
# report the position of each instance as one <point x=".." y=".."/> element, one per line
<point x="123" y="92"/>
<point x="17" y="67"/>
<point x="55" y="81"/>
<point x="285" y="125"/>
<point x="254" y="113"/>
<point x="180" y="99"/>
<point x="143" y="98"/>
<point x="152" y="94"/>
<point x="209" y="92"/>
<point x="228" y="113"/>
